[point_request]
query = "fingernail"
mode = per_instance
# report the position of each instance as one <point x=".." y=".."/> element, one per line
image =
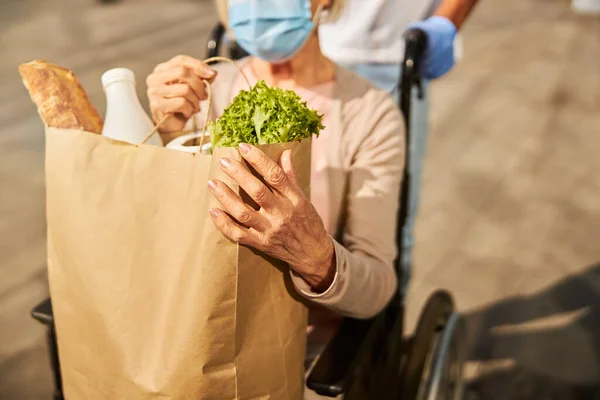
<point x="213" y="213"/>
<point x="225" y="162"/>
<point x="211" y="72"/>
<point x="212" y="185"/>
<point x="244" y="148"/>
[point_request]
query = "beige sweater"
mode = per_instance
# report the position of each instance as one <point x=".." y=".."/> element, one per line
<point x="365" y="165"/>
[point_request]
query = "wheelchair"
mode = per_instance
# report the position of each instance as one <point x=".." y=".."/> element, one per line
<point x="367" y="359"/>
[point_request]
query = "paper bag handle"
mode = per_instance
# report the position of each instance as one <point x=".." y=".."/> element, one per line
<point x="207" y="84"/>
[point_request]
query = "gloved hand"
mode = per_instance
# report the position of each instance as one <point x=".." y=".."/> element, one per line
<point x="439" y="53"/>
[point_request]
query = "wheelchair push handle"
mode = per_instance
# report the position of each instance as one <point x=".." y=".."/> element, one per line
<point x="415" y="44"/>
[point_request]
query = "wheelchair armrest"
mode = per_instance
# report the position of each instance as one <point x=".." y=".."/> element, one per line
<point x="43" y="312"/>
<point x="333" y="372"/>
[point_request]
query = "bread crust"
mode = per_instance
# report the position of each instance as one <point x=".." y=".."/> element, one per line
<point x="60" y="99"/>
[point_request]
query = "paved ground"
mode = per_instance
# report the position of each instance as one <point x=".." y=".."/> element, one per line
<point x="510" y="218"/>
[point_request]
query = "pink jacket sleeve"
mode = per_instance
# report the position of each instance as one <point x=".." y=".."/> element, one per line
<point x="365" y="279"/>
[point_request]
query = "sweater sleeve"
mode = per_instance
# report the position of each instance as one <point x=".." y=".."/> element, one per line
<point x="365" y="279"/>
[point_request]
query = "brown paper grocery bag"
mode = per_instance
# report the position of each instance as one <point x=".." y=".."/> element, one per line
<point x="149" y="299"/>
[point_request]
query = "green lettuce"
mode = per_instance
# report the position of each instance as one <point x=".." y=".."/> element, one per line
<point x="264" y="115"/>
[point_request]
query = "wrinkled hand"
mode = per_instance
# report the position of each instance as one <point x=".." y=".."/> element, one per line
<point x="439" y="53"/>
<point x="286" y="226"/>
<point x="176" y="87"/>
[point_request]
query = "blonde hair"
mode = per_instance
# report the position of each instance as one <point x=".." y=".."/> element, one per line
<point x="332" y="13"/>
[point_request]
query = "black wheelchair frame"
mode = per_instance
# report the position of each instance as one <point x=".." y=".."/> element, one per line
<point x="368" y="359"/>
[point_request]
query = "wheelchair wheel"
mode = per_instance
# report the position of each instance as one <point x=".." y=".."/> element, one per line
<point x="443" y="375"/>
<point x="434" y="365"/>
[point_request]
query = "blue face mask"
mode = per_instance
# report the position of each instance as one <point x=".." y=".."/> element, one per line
<point x="272" y="30"/>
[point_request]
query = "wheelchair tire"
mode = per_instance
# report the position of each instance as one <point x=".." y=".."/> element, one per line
<point x="435" y="353"/>
<point x="443" y="377"/>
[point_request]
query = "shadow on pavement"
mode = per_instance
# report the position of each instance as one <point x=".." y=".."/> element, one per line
<point x="541" y="346"/>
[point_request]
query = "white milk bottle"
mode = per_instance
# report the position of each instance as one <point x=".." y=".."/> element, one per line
<point x="125" y="118"/>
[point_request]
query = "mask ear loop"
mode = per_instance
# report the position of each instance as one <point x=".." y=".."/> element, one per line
<point x="316" y="19"/>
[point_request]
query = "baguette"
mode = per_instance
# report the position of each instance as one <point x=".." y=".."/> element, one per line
<point x="60" y="99"/>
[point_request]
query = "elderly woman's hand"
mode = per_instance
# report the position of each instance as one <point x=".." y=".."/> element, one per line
<point x="176" y="88"/>
<point x="286" y="226"/>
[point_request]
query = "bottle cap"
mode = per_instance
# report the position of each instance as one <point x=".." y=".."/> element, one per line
<point x="117" y="75"/>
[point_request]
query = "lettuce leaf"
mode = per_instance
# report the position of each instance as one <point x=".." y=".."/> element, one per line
<point x="264" y="115"/>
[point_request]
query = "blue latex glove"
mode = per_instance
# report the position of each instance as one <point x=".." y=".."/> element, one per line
<point x="439" y="54"/>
